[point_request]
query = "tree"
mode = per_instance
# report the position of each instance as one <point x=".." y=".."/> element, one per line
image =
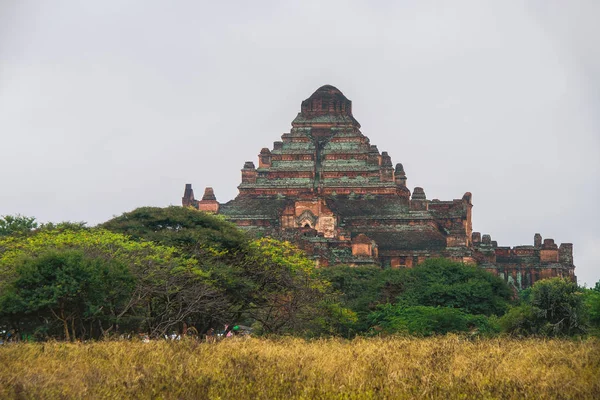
<point x="559" y="304"/>
<point x="445" y="283"/>
<point x="427" y="321"/>
<point x="591" y="300"/>
<point x="168" y="289"/>
<point x="554" y="307"/>
<point x="276" y="286"/>
<point x="362" y="289"/>
<point x="16" y="224"/>
<point x="436" y="283"/>
<point x="183" y="295"/>
<point x="69" y="287"/>
<point x="265" y="281"/>
<point x="520" y="320"/>
<point x="139" y="256"/>
<point x="434" y="292"/>
<point x="194" y="232"/>
<point x="433" y="283"/>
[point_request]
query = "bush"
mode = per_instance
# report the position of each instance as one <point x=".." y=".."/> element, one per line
<point x="363" y="288"/>
<point x="427" y="321"/>
<point x="73" y="290"/>
<point x="440" y="282"/>
<point x="591" y="300"/>
<point x="554" y="307"/>
<point x="519" y="320"/>
<point x="437" y="284"/>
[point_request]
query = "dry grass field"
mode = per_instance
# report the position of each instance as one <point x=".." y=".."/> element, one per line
<point x="244" y="368"/>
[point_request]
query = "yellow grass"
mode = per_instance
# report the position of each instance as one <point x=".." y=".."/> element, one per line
<point x="445" y="368"/>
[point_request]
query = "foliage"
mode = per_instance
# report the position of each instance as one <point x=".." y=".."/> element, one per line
<point x="277" y="287"/>
<point x="195" y="233"/>
<point x="215" y="244"/>
<point x="591" y="300"/>
<point x="333" y="319"/>
<point x="16" y="224"/>
<point x="445" y="283"/>
<point x="447" y="367"/>
<point x="427" y="321"/>
<point x="520" y="320"/>
<point x="436" y="283"/>
<point x="69" y="287"/>
<point x="361" y="289"/>
<point x="169" y="290"/>
<point x="554" y="307"/>
<point x="64" y="226"/>
<point x="265" y="282"/>
<point x="93" y="242"/>
<point x="165" y="269"/>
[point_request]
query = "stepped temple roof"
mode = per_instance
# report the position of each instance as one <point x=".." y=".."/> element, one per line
<point x="326" y="188"/>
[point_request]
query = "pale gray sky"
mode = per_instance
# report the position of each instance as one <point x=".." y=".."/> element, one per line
<point x="106" y="106"/>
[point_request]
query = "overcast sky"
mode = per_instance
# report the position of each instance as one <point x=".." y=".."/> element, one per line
<point x="106" y="106"/>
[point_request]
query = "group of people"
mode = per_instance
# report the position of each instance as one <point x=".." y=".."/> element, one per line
<point x="212" y="335"/>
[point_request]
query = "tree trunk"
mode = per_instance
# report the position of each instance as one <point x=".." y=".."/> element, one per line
<point x="65" y="323"/>
<point x="66" y="327"/>
<point x="73" y="328"/>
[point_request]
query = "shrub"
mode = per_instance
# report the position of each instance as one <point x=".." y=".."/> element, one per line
<point x="554" y="307"/>
<point x="427" y="321"/>
<point x="591" y="300"/>
<point x="446" y="283"/>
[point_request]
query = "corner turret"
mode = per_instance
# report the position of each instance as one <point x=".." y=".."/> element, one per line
<point x="419" y="201"/>
<point x="537" y="241"/>
<point x="264" y="158"/>
<point x="249" y="172"/>
<point x="373" y="157"/>
<point x="209" y="201"/>
<point x="400" y="175"/>
<point x="386" y="171"/>
<point x="188" y="196"/>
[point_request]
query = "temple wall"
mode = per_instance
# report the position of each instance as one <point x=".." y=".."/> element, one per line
<point x="209" y="206"/>
<point x="325" y="158"/>
<point x="549" y="255"/>
<point x="361" y="249"/>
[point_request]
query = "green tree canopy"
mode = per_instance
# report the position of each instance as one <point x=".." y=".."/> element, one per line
<point x="279" y="286"/>
<point x="16" y="224"/>
<point x="194" y="232"/>
<point x="433" y="283"/>
<point x="67" y="286"/>
<point x="427" y="321"/>
<point x="554" y="307"/>
<point x="592" y="305"/>
<point x="445" y="283"/>
<point x="169" y="289"/>
<point x="140" y="255"/>
<point x="266" y="281"/>
<point x="361" y="289"/>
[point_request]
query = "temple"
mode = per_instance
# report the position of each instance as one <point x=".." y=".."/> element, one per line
<point x="327" y="189"/>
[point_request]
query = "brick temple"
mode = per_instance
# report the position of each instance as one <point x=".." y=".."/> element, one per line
<point x="327" y="189"/>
